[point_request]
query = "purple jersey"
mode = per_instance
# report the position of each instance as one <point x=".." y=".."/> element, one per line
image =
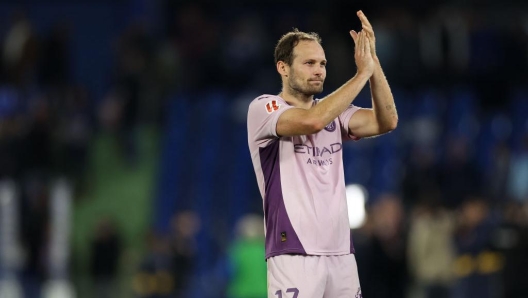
<point x="301" y="181"/>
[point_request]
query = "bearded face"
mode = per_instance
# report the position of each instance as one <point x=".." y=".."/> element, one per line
<point x="308" y="70"/>
<point x="303" y="84"/>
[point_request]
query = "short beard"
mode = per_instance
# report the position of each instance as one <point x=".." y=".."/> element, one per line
<point x="297" y="89"/>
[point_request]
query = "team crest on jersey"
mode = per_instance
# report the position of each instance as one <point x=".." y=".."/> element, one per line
<point x="331" y="127"/>
<point x="272" y="106"/>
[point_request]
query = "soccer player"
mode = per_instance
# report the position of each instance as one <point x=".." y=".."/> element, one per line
<point x="295" y="142"/>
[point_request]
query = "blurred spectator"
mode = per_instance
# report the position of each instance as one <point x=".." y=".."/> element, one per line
<point x="134" y="58"/>
<point x="110" y="111"/>
<point x="164" y="79"/>
<point x="477" y="264"/>
<point x="106" y="248"/>
<point x="511" y="238"/>
<point x="111" y="117"/>
<point x="499" y="176"/>
<point x="385" y="264"/>
<point x="431" y="248"/>
<point x="12" y="127"/>
<point x="518" y="174"/>
<point x="167" y="269"/>
<point x="247" y="260"/>
<point x="406" y="45"/>
<point x="20" y="51"/>
<point x="198" y="38"/>
<point x="244" y="47"/>
<point x="421" y="175"/>
<point x="155" y="278"/>
<point x="182" y="240"/>
<point x="73" y="132"/>
<point x="54" y="67"/>
<point x="38" y="139"/>
<point x="459" y="175"/>
<point x="35" y="232"/>
<point x="487" y="56"/>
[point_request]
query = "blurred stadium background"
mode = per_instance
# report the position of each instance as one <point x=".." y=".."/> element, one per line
<point x="124" y="168"/>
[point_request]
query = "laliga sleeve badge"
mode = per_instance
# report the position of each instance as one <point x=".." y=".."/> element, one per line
<point x="272" y="106"/>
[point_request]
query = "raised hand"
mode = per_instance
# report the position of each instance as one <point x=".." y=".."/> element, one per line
<point x="367" y="27"/>
<point x="363" y="54"/>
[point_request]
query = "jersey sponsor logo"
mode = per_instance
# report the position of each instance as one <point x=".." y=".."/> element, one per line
<point x="325" y="153"/>
<point x="319" y="162"/>
<point x="331" y="127"/>
<point x="318" y="151"/>
<point x="272" y="106"/>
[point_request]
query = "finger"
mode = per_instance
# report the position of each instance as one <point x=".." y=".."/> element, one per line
<point x="359" y="45"/>
<point x="354" y="35"/>
<point x="363" y="41"/>
<point x="366" y="45"/>
<point x="363" y="18"/>
<point x="370" y="31"/>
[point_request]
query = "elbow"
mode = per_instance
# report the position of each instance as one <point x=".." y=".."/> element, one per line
<point x="393" y="124"/>
<point x="314" y="126"/>
<point x="318" y="126"/>
<point x="390" y="126"/>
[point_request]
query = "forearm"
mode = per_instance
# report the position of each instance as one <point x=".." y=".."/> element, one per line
<point x="382" y="99"/>
<point x="338" y="101"/>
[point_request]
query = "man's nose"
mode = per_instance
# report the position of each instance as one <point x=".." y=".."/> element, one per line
<point x="319" y="71"/>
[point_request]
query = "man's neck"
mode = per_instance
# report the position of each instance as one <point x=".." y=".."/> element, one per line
<point x="297" y="100"/>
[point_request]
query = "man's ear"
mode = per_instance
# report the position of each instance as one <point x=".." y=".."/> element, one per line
<point x="283" y="68"/>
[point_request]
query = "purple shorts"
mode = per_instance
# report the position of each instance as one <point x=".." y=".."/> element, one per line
<point x="297" y="276"/>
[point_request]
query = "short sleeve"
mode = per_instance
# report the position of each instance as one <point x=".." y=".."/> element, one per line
<point x="344" y="118"/>
<point x="263" y="115"/>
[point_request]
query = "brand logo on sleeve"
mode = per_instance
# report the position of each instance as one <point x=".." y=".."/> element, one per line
<point x="330" y="127"/>
<point x="272" y="106"/>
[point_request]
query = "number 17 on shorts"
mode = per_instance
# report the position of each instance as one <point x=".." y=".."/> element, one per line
<point x="294" y="293"/>
<point x="299" y="276"/>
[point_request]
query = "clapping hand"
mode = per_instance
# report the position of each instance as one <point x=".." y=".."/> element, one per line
<point x="367" y="28"/>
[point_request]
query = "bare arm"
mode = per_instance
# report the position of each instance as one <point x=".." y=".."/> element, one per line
<point x="382" y="100"/>
<point x="383" y="116"/>
<point x="304" y="122"/>
<point x="308" y="121"/>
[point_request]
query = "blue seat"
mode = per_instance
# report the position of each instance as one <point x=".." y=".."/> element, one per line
<point x="461" y="112"/>
<point x="170" y="187"/>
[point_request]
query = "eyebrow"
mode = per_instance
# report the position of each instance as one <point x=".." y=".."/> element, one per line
<point x="314" y="60"/>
